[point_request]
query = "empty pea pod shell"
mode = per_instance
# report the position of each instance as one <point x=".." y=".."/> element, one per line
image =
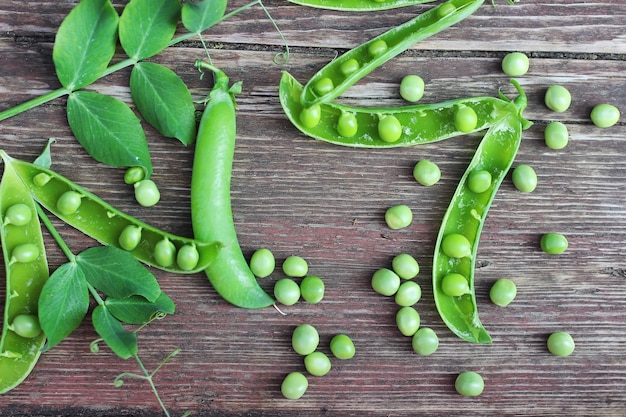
<point x="424" y="123"/>
<point x="101" y="221"/>
<point x="358" y="5"/>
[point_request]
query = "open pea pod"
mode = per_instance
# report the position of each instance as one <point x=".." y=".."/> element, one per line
<point x="106" y="224"/>
<point x="358" y="5"/>
<point x="26" y="272"/>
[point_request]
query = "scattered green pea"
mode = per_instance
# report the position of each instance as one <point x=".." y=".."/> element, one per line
<point x="456" y="245"/>
<point x="147" y="193"/>
<point x="469" y="384"/>
<point x="426" y="172"/>
<point x="25" y="253"/>
<point x="465" y="119"/>
<point x="323" y="86"/>
<point x="377" y="48"/>
<point x="503" y="292"/>
<point x="389" y="128"/>
<point x="425" y="341"/>
<point x="515" y="64"/>
<point x="262" y="263"/>
<point x="18" y="215"/>
<point x="69" y="202"/>
<point x="412" y="88"/>
<point x="349" y="66"/>
<point x="165" y="253"/>
<point x="287" y="291"/>
<point x="558" y="98"/>
<point x="312" y="289"/>
<point x="342" y="346"/>
<point x="407" y="320"/>
<point x="385" y="282"/>
<point x="556" y="135"/>
<point x="605" y="115"/>
<point x="405" y="266"/>
<point x="187" y="257"/>
<point x="305" y="339"/>
<point x="479" y="181"/>
<point x="554" y="243"/>
<point x="311" y="116"/>
<point x="317" y="363"/>
<point x="26" y="325"/>
<point x="130" y="237"/>
<point x="398" y="217"/>
<point x="294" y="385"/>
<point x="347" y="125"/>
<point x="408" y="294"/>
<point x="295" y="266"/>
<point x="455" y="285"/>
<point x="133" y="175"/>
<point x="524" y="178"/>
<point x="561" y="344"/>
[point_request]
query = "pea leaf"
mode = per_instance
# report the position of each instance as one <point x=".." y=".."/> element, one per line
<point x="63" y="303"/>
<point x="123" y="343"/>
<point x="147" y="26"/>
<point x="117" y="273"/>
<point x="85" y="43"/>
<point x="164" y="101"/>
<point x="108" y="129"/>
<point x="201" y="15"/>
<point x="137" y="310"/>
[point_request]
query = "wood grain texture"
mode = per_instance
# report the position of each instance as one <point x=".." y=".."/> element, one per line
<point x="326" y="203"/>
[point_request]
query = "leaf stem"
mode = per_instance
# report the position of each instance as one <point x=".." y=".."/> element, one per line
<point x="32" y="103"/>
<point x="53" y="231"/>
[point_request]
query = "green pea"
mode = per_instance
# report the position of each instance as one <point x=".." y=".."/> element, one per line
<point x="503" y="292"/>
<point x="312" y="289"/>
<point x="262" y="263"/>
<point x="342" y="346"/>
<point x="41" y="179"/>
<point x="287" y="291"/>
<point x="347" y="125"/>
<point x="294" y="385"/>
<point x="134" y="175"/>
<point x="426" y="172"/>
<point x="348" y="67"/>
<point x="469" y="384"/>
<point x="187" y="257"/>
<point x="425" y="341"/>
<point x="407" y="320"/>
<point x="605" y="115"/>
<point x="455" y="285"/>
<point x="25" y="253"/>
<point x="554" y="243"/>
<point x="479" y="181"/>
<point x="398" y="217"/>
<point x="130" y="237"/>
<point x="524" y="178"/>
<point x="445" y="9"/>
<point x="18" y="215"/>
<point x="412" y="88"/>
<point x="561" y="344"/>
<point x="556" y="135"/>
<point x="558" y="98"/>
<point x="295" y="266"/>
<point x="465" y="119"/>
<point x="389" y="128"/>
<point x="456" y="245"/>
<point x="385" y="282"/>
<point x="69" y="202"/>
<point x="317" y="363"/>
<point x="323" y="86"/>
<point x="165" y="253"/>
<point x="26" y="325"/>
<point x="377" y="48"/>
<point x="408" y="294"/>
<point x="147" y="193"/>
<point x="515" y="64"/>
<point x="405" y="266"/>
<point x="305" y="339"/>
<point x="311" y="116"/>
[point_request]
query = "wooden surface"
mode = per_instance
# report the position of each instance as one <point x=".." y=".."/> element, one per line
<point x="298" y="196"/>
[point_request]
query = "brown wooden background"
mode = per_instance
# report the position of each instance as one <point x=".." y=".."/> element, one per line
<point x="326" y="203"/>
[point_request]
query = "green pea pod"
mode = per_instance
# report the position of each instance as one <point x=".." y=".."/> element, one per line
<point x="339" y="74"/>
<point x="26" y="273"/>
<point x="101" y="221"/>
<point x="358" y="5"/>
<point x="466" y="215"/>
<point x="424" y="123"/>
<point x="211" y="212"/>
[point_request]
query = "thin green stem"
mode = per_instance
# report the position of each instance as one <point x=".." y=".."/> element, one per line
<point x="31" y="104"/>
<point x="53" y="231"/>
<point x="148" y="377"/>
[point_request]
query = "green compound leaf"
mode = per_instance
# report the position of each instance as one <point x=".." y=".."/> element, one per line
<point x="108" y="130"/>
<point x="164" y="101"/>
<point x="63" y="303"/>
<point x="199" y="16"/>
<point x="85" y="43"/>
<point x="138" y="310"/>
<point x="117" y="273"/>
<point x="147" y="26"/>
<point x="123" y="343"/>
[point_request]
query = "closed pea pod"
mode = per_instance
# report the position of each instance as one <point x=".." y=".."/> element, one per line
<point x="358" y="5"/>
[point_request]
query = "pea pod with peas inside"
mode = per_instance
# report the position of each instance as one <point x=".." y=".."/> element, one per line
<point x="358" y="5"/>
<point x="457" y="241"/>
<point x="339" y="74"/>
<point x="93" y="216"/>
<point x="424" y="123"/>
<point x="26" y="272"/>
